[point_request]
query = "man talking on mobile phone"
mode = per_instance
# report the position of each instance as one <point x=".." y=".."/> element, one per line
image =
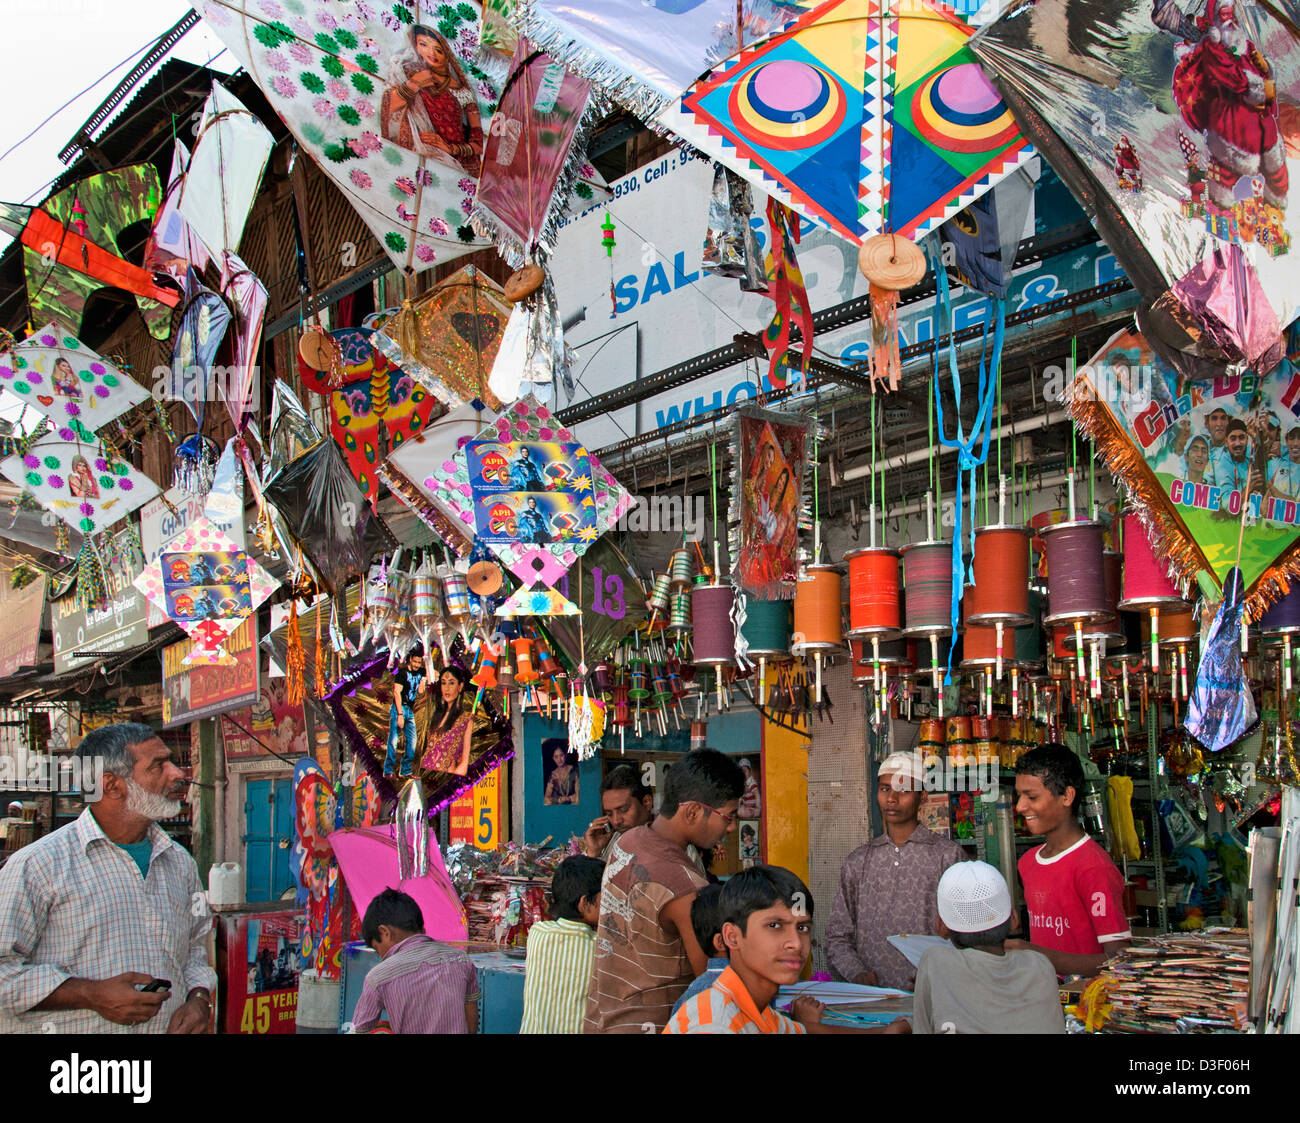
<point x="99" y="910"/>
<point x="625" y="802"/>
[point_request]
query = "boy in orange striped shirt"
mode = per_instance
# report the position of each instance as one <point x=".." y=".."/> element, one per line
<point x="767" y="913"/>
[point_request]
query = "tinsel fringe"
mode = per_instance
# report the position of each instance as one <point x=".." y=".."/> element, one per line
<point x="1170" y="538"/>
<point x="296" y="659"/>
<point x="424" y="509"/>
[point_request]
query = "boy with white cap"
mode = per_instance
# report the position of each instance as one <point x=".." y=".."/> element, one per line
<point x="887" y="886"/>
<point x="976" y="986"/>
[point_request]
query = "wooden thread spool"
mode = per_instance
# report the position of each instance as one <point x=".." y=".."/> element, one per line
<point x="1076" y="582"/>
<point x="927" y="596"/>
<point x="874" y="602"/>
<point x="1001" y="564"/>
<point x="681" y="568"/>
<point x="712" y="632"/>
<point x="679" y="612"/>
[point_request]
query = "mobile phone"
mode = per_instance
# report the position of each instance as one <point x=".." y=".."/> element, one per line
<point x="156" y="985"/>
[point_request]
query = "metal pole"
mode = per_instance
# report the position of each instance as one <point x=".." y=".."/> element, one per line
<point x="1153" y="760"/>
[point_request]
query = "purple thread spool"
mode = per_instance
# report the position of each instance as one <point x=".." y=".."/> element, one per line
<point x="1076" y="573"/>
<point x="714" y="634"/>
<point x="1283" y="615"/>
<point x="927" y="596"/>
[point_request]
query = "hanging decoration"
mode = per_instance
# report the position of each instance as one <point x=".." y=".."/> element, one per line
<point x="374" y="396"/>
<point x="231" y="149"/>
<point x="448" y="339"/>
<point x="204" y="320"/>
<point x="891" y="264"/>
<point x="1179" y="138"/>
<point x="730" y="243"/>
<point x="202" y="580"/>
<point x="61" y="378"/>
<point x="1188" y="451"/>
<point x="70" y="247"/>
<point x="864" y="116"/>
<point x="1222" y="710"/>
<point x="173" y="247"/>
<point x="768" y="458"/>
<point x="393" y="106"/>
<point x="785" y="287"/>
<point x="532" y="351"/>
<point x="529" y="163"/>
<point x="534" y="495"/>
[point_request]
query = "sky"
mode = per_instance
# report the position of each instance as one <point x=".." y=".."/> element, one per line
<point x="55" y="49"/>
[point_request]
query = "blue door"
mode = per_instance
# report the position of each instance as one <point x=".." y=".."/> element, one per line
<point x="268" y="821"/>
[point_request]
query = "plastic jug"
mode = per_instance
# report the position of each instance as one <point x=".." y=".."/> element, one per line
<point x="225" y="884"/>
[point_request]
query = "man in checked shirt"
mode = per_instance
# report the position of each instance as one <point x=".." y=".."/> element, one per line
<point x="105" y="905"/>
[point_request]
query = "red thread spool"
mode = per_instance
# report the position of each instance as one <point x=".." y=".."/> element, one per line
<point x="874" y="605"/>
<point x="818" y="610"/>
<point x="1109" y="628"/>
<point x="714" y="634"/>
<point x="927" y="568"/>
<point x="1001" y="564"/>
<point x="980" y="641"/>
<point x="1076" y="581"/>
<point x="1146" y="580"/>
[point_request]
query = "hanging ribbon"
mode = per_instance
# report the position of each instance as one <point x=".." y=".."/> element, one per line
<point x="738" y="618"/>
<point x="981" y="427"/>
<point x="786" y="289"/>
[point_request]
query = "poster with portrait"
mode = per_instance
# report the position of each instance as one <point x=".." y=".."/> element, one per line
<point x="768" y="463"/>
<point x="272" y="723"/>
<point x="1201" y="456"/>
<point x="533" y="492"/>
<point x="559" y="772"/>
<point x="751" y="844"/>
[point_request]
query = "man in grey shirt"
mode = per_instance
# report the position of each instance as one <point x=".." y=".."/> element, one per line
<point x="975" y="986"/>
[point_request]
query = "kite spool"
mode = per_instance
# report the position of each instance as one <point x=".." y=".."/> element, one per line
<point x="659" y="596"/>
<point x="455" y="591"/>
<point x="681" y="568"/>
<point x="524" y="661"/>
<point x="1001" y="564"/>
<point x="713" y="633"/>
<point x="679" y="612"/>
<point x="1076" y="578"/>
<point x="767" y="630"/>
<point x="1282" y="622"/>
<point x="927" y="597"/>
<point x="891" y="262"/>
<point x="874" y="607"/>
<point x="818" y="615"/>
<point x="1146" y="583"/>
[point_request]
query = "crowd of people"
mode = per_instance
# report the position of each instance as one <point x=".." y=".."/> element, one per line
<point x="641" y="939"/>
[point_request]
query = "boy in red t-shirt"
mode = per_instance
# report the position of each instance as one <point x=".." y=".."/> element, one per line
<point x="1074" y="892"/>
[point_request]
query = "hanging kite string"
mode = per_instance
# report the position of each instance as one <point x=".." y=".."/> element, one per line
<point x="1074" y="432"/>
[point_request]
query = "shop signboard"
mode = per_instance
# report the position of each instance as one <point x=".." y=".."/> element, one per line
<point x="476" y="814"/>
<point x="120" y="626"/>
<point x="190" y="693"/>
<point x="20" y="624"/>
<point x="664" y="309"/>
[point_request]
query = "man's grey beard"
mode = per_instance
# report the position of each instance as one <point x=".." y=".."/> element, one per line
<point x="152" y="806"/>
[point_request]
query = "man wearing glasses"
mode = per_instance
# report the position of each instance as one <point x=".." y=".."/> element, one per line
<point x="646" y="952"/>
<point x="625" y="802"/>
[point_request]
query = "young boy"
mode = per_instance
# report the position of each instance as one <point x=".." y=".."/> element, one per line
<point x="558" y="969"/>
<point x="1074" y="892"/>
<point x="424" y="986"/>
<point x="767" y="931"/>
<point x="706" y="920"/>
<point x="976" y="986"/>
<point x="408" y="683"/>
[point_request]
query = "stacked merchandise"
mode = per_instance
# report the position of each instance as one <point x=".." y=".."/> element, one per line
<point x="1193" y="983"/>
<point x="505" y="892"/>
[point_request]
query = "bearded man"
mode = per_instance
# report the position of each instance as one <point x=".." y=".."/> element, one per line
<point x="100" y="909"/>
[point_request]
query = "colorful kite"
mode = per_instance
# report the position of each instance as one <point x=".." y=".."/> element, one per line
<point x="448" y="340"/>
<point x="374" y="391"/>
<point x="1178" y="125"/>
<point x="59" y="376"/>
<point x="391" y="104"/>
<point x="70" y="247"/>
<point x="864" y="116"/>
<point x="173" y="247"/>
<point x="207" y="584"/>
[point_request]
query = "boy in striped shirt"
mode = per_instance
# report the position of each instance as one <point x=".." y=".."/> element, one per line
<point x="767" y="929"/>
<point x="560" y="951"/>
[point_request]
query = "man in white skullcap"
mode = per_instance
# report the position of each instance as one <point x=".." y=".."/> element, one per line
<point x="887" y="886"/>
<point x="977" y="986"/>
